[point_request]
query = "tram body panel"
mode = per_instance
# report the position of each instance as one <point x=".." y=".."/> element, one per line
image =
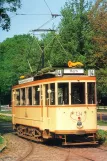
<point x="27" y="116"/>
<point x="67" y="118"/>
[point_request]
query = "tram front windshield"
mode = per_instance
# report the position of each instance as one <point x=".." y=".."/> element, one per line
<point x="76" y="93"/>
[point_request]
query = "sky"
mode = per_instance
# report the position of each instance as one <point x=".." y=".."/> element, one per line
<point x="39" y="13"/>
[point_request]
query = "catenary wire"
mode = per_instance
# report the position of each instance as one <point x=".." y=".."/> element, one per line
<point x="48" y="7"/>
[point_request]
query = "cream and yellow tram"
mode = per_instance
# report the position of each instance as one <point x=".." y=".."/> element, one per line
<point x="57" y="104"/>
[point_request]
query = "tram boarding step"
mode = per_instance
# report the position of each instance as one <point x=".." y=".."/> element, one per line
<point x="80" y="143"/>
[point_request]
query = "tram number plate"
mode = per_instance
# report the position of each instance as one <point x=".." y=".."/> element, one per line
<point x="78" y="113"/>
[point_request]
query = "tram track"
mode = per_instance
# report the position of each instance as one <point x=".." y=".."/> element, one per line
<point x="45" y="151"/>
<point x="29" y="151"/>
<point x="60" y="148"/>
<point x="78" y="154"/>
<point x="69" y="152"/>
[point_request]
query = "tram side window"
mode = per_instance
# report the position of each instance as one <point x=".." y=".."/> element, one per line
<point x="63" y="93"/>
<point x="23" y="102"/>
<point x="29" y="96"/>
<point x="91" y="92"/>
<point x="52" y="94"/>
<point x="36" y="95"/>
<point x="17" y="100"/>
<point x="78" y="93"/>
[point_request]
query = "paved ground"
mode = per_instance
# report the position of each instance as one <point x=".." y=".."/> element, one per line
<point x="18" y="147"/>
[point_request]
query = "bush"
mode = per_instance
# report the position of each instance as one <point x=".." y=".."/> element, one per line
<point x="102" y="136"/>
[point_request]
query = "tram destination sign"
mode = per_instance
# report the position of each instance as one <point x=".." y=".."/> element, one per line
<point x="26" y="80"/>
<point x="73" y="71"/>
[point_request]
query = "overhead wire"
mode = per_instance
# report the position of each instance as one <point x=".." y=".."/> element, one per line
<point x="32" y="14"/>
<point x="53" y="17"/>
<point x="61" y="45"/>
<point x="48" y="7"/>
<point x="36" y="40"/>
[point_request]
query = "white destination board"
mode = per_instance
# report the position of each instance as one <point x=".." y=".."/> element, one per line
<point x="73" y="71"/>
<point x="26" y="80"/>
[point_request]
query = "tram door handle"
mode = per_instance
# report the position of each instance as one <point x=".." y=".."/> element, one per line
<point x="47" y="103"/>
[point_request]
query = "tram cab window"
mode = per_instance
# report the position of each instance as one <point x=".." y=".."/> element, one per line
<point x="29" y="95"/>
<point x="17" y="98"/>
<point x="52" y="94"/>
<point x="77" y="93"/>
<point x="22" y="93"/>
<point x="36" y="95"/>
<point x="63" y="93"/>
<point x="91" y="92"/>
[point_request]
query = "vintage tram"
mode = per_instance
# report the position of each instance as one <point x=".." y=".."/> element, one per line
<point x="59" y="103"/>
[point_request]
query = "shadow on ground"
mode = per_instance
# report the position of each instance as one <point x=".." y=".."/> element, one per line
<point x="5" y="127"/>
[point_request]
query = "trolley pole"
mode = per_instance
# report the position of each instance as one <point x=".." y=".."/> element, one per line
<point x="42" y="47"/>
<point x="42" y="56"/>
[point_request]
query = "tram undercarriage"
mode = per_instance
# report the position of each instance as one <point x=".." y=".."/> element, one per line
<point x="65" y="139"/>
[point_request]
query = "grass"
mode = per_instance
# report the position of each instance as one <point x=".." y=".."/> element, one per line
<point x="5" y="118"/>
<point x="102" y="123"/>
<point x="101" y="110"/>
<point x="1" y="140"/>
<point x="7" y="112"/>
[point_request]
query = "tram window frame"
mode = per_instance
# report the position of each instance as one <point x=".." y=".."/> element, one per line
<point x="63" y="97"/>
<point x="91" y="93"/>
<point x="23" y="96"/>
<point x="52" y="94"/>
<point x="28" y="95"/>
<point x="77" y="89"/>
<point x="17" y="97"/>
<point x="36" y="94"/>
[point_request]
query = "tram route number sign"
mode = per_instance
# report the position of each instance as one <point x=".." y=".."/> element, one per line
<point x="91" y="72"/>
<point x="78" y="113"/>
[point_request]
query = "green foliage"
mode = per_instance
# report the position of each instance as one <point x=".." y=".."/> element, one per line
<point x="98" y="20"/>
<point x="102" y="136"/>
<point x="15" y="54"/>
<point x="6" y="112"/>
<point x="5" y="118"/>
<point x="75" y="30"/>
<point x="6" y="7"/>
<point x="101" y="82"/>
<point x="1" y="140"/>
<point x="102" y="110"/>
<point x="102" y="123"/>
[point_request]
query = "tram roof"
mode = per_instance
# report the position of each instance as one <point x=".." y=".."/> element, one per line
<point x="47" y="73"/>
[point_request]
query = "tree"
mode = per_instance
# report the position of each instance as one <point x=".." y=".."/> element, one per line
<point x="75" y="30"/>
<point x="7" y="6"/>
<point x="101" y="82"/>
<point x="55" y="54"/>
<point x="98" y="19"/>
<point x="19" y="55"/>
